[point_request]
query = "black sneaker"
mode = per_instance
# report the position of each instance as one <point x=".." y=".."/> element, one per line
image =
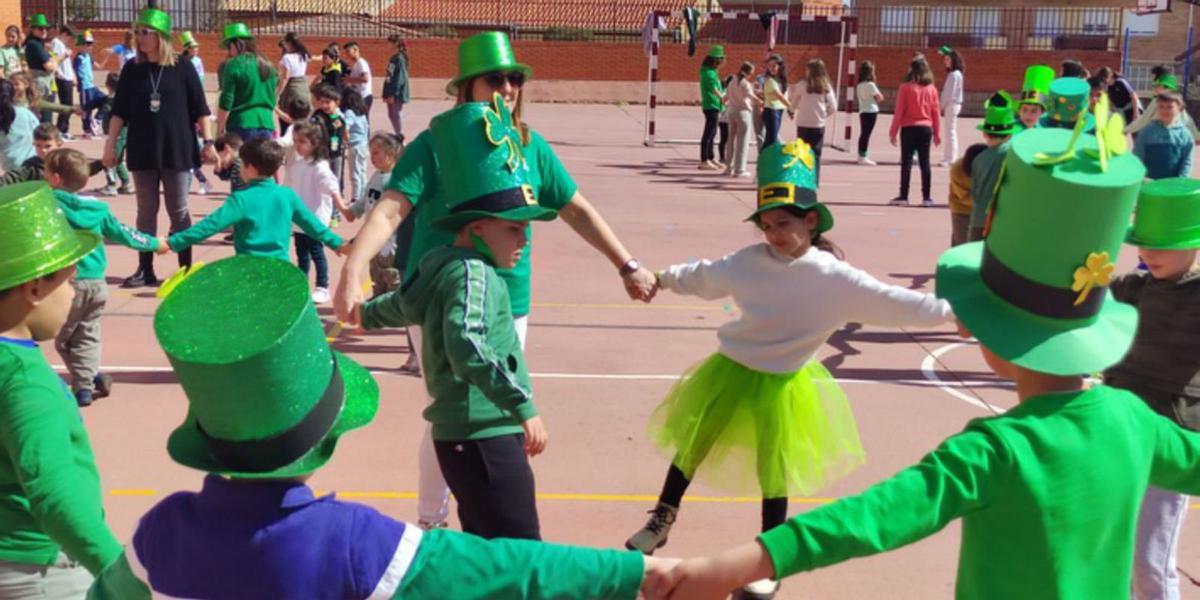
<point x="84" y="398"/>
<point x="927" y="203"/>
<point x="140" y="279"/>
<point x="898" y="201"/>
<point x="103" y="383"/>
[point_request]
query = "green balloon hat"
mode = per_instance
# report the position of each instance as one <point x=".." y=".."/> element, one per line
<point x="487" y="52"/>
<point x="786" y="178"/>
<point x="1035" y="290"/>
<point x="187" y="40"/>
<point x="716" y="52"/>
<point x="39" y="21"/>
<point x="483" y="166"/>
<point x="1167" y="215"/>
<point x="235" y="31"/>
<point x="1067" y="101"/>
<point x="153" y="18"/>
<point x="37" y="239"/>
<point x="1036" y="88"/>
<point x="267" y="397"/>
<point x="1000" y="116"/>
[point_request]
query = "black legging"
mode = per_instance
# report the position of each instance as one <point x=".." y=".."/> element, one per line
<point x="723" y="141"/>
<point x="710" y="133"/>
<point x="814" y="137"/>
<point x="918" y="139"/>
<point x="66" y="96"/>
<point x="867" y="125"/>
<point x="774" y="510"/>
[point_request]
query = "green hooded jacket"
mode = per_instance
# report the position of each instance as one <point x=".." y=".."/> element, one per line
<point x="473" y="364"/>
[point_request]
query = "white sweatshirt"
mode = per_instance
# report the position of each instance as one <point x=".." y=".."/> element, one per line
<point x="790" y="307"/>
<point x="952" y="89"/>
<point x="315" y="183"/>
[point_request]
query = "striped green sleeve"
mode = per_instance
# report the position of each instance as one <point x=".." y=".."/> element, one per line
<point x="118" y="582"/>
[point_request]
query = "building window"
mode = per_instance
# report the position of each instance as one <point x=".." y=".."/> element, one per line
<point x="942" y="20"/>
<point x="987" y="21"/>
<point x="1047" y="21"/>
<point x="1095" y="21"/>
<point x="898" y="19"/>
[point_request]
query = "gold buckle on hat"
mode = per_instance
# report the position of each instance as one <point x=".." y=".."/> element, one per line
<point x="527" y="191"/>
<point x="776" y="193"/>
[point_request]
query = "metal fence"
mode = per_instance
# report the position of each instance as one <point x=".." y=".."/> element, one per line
<point x="1058" y="28"/>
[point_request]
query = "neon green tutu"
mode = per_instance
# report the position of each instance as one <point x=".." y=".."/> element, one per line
<point x="751" y="432"/>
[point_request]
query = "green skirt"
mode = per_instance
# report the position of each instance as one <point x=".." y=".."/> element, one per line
<point x="750" y="432"/>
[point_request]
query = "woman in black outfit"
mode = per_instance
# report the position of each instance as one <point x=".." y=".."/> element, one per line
<point x="160" y="99"/>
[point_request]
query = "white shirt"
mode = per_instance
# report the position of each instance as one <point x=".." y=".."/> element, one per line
<point x="866" y="97"/>
<point x="952" y="89"/>
<point x="62" y="54"/>
<point x="362" y="206"/>
<point x="293" y="65"/>
<point x="361" y="68"/>
<point x="812" y="109"/>
<point x="740" y="95"/>
<point x="790" y="307"/>
<point x="315" y="183"/>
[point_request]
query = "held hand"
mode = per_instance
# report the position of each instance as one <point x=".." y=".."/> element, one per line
<point x="640" y="285"/>
<point x="344" y="249"/>
<point x="535" y="436"/>
<point x="210" y="155"/>
<point x="163" y="247"/>
<point x="693" y="579"/>
<point x="654" y="572"/>
<point x="347" y="214"/>
<point x="348" y="297"/>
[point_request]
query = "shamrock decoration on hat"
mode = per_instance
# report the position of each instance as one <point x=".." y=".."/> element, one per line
<point x="786" y="178"/>
<point x="498" y="127"/>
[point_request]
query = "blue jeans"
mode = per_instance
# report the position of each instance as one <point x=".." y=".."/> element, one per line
<point x="772" y="121"/>
<point x="252" y="133"/>
<point x="1159" y="524"/>
<point x="358" y="171"/>
<point x="310" y="250"/>
<point x="92" y="99"/>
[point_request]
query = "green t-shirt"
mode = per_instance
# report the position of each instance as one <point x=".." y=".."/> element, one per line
<point x="95" y="216"/>
<point x="50" y="496"/>
<point x="1048" y="494"/>
<point x="249" y="99"/>
<point x="710" y="89"/>
<point x="416" y="176"/>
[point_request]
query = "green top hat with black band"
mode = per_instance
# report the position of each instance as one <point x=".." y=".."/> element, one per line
<point x="39" y="21"/>
<point x="85" y="37"/>
<point x="235" y="31"/>
<point x="786" y="178"/>
<point x="187" y="40"/>
<point x="1035" y="290"/>
<point x="487" y="52"/>
<point x="267" y="398"/>
<point x="1067" y="102"/>
<point x="1036" y="88"/>
<point x="1000" y="117"/>
<point x="483" y="166"/>
<point x="35" y="237"/>
<point x="155" y="19"/>
<point x="1168" y="81"/>
<point x="716" y="52"/>
<point x="1167" y="215"/>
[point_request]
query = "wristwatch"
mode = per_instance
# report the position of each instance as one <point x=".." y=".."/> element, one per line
<point x="630" y="267"/>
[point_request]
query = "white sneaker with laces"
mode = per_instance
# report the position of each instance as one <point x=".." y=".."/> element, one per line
<point x="320" y="295"/>
<point x="205" y="189"/>
<point x="654" y="535"/>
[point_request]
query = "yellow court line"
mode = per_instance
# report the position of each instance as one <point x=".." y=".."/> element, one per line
<point x="630" y="306"/>
<point x="565" y="497"/>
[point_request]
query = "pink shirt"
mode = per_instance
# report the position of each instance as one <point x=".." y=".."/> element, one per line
<point x="917" y="106"/>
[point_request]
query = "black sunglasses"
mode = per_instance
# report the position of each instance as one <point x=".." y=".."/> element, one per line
<point x="515" y="79"/>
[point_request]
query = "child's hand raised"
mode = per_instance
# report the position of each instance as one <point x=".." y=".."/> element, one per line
<point x="535" y="436"/>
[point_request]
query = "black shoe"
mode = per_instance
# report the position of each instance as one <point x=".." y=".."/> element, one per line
<point x="927" y="203"/>
<point x="144" y="276"/>
<point x="103" y="383"/>
<point x="84" y="398"/>
<point x="898" y="201"/>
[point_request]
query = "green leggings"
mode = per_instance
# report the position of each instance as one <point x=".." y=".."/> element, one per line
<point x="111" y="175"/>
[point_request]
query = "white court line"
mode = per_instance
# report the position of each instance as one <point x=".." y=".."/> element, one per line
<point x="929" y="370"/>
<point x="600" y="376"/>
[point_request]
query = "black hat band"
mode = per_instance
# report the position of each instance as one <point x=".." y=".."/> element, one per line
<point x="266" y="455"/>
<point x="786" y="193"/>
<point x="501" y="201"/>
<point x="1035" y="297"/>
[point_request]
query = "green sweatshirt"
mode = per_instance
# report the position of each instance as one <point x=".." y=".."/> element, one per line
<point x="474" y="368"/>
<point x="262" y="215"/>
<point x="95" y="216"/>
<point x="50" y="498"/>
<point x="1048" y="494"/>
<point x="247" y="97"/>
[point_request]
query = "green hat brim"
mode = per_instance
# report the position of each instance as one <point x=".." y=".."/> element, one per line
<point x="225" y="42"/>
<point x="456" y="221"/>
<point x="824" y="217"/>
<point x="86" y="242"/>
<point x="1186" y="244"/>
<point x="187" y="447"/>
<point x="1010" y="129"/>
<point x="452" y="87"/>
<point x="1043" y="344"/>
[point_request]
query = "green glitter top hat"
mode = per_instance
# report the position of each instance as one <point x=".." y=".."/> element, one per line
<point x="35" y="237"/>
<point x="267" y="397"/>
<point x="786" y="178"/>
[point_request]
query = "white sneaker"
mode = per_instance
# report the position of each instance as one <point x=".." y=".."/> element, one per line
<point x="654" y="535"/>
<point x="205" y="189"/>
<point x="862" y="160"/>
<point x="320" y="295"/>
<point x="744" y="174"/>
<point x="763" y="589"/>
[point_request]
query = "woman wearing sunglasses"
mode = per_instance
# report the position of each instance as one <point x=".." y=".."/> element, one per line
<point x="486" y="66"/>
<point x="162" y="102"/>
